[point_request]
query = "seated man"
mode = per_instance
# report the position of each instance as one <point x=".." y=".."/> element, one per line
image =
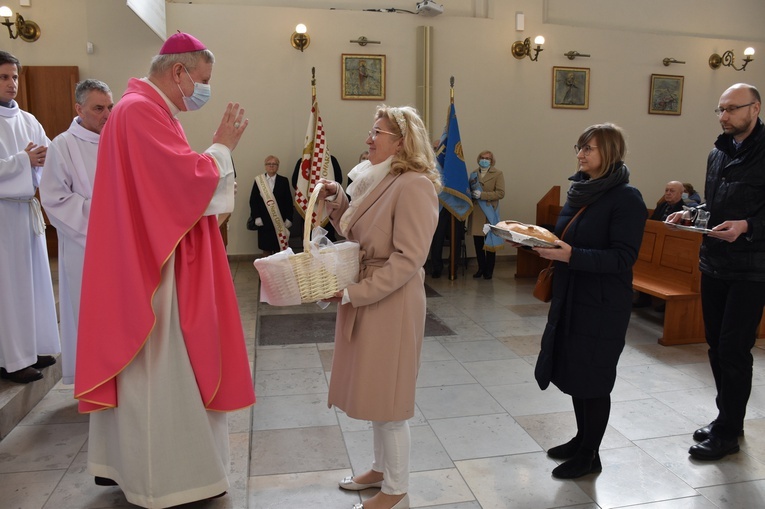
<point x="673" y="201"/>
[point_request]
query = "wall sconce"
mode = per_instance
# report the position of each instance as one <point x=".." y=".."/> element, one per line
<point x="363" y="41"/>
<point x="28" y="31"/>
<point x="728" y="58"/>
<point x="669" y="60"/>
<point x="573" y="54"/>
<point x="300" y="39"/>
<point x="522" y="49"/>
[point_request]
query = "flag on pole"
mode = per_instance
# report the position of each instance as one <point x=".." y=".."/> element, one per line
<point x="451" y="163"/>
<point x="316" y="164"/>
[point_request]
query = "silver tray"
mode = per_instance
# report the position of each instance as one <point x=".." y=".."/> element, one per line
<point x="520" y="238"/>
<point x="688" y="228"/>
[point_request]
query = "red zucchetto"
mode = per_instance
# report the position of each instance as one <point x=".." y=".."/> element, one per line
<point x="181" y="43"/>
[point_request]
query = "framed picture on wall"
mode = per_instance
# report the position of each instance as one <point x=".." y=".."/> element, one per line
<point x="571" y="88"/>
<point x="666" y="95"/>
<point x="363" y="77"/>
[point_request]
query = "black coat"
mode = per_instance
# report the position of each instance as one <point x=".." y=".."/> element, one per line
<point x="664" y="209"/>
<point x="735" y="189"/>
<point x="267" y="240"/>
<point x="592" y="294"/>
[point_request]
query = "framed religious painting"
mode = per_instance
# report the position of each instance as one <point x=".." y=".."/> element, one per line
<point x="363" y="77"/>
<point x="571" y="88"/>
<point x="666" y="96"/>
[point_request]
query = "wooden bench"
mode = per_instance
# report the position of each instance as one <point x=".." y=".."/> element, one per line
<point x="528" y="263"/>
<point x="667" y="268"/>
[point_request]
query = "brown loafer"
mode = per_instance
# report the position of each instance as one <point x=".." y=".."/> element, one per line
<point x="22" y="376"/>
<point x="43" y="361"/>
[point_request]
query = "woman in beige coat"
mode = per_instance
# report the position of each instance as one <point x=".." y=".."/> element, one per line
<point x="381" y="319"/>
<point x="487" y="185"/>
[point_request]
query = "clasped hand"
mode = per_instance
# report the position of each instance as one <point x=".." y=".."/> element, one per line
<point x="329" y="189"/>
<point x="36" y="154"/>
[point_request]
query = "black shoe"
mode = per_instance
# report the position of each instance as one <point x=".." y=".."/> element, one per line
<point x="487" y="276"/>
<point x="43" y="361"/>
<point x="702" y="434"/>
<point x="585" y="462"/>
<point x="22" y="376"/>
<point x="478" y="274"/>
<point x="714" y="448"/>
<point x="565" y="451"/>
<point x="105" y="481"/>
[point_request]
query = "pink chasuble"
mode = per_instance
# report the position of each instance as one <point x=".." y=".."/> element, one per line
<point x="150" y="193"/>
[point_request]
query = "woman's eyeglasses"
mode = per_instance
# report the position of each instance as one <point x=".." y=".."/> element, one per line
<point x="375" y="132"/>
<point x="586" y="149"/>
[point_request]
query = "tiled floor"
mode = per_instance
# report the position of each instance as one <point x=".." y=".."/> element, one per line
<point x="479" y="434"/>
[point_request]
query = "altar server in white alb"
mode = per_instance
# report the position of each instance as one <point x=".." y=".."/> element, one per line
<point x="65" y="192"/>
<point x="28" y="324"/>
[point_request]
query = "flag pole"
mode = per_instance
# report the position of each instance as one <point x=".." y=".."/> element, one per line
<point x="453" y="235"/>
<point x="313" y="85"/>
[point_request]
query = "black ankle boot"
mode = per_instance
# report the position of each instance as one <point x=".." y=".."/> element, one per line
<point x="585" y="462"/>
<point x="478" y="274"/>
<point x="565" y="451"/>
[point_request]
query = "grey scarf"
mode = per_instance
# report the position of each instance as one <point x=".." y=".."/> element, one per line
<point x="585" y="190"/>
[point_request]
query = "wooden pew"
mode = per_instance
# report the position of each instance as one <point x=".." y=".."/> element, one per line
<point x="528" y="263"/>
<point x="667" y="267"/>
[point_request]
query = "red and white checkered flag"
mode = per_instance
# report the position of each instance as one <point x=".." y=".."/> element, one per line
<point x="316" y="163"/>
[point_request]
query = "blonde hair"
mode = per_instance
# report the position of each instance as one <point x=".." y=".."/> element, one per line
<point x="610" y="144"/>
<point x="490" y="154"/>
<point x="416" y="153"/>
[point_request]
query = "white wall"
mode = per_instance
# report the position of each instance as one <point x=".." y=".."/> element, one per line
<point x="503" y="104"/>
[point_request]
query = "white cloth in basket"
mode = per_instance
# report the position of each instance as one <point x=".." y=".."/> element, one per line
<point x="321" y="270"/>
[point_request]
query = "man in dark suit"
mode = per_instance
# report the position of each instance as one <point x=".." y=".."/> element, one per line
<point x="272" y="214"/>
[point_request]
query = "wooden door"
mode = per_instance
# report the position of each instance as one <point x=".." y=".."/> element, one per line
<point x="47" y="92"/>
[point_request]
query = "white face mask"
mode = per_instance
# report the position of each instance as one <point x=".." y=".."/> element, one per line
<point x="199" y="97"/>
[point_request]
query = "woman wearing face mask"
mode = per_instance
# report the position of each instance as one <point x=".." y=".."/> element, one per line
<point x="487" y="185"/>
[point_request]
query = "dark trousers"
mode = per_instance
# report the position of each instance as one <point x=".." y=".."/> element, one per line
<point x="486" y="259"/>
<point x="732" y="312"/>
<point x="442" y="232"/>
<point x="591" y="421"/>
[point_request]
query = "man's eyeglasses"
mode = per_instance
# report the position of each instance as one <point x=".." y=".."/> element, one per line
<point x="375" y="132"/>
<point x="586" y="149"/>
<point x="272" y="164"/>
<point x="730" y="109"/>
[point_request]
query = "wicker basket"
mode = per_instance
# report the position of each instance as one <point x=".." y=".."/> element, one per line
<point x="289" y="279"/>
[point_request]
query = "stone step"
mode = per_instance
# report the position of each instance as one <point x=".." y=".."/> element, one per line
<point x="16" y="400"/>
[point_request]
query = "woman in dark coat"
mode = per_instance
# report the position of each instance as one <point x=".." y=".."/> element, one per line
<point x="592" y="292"/>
